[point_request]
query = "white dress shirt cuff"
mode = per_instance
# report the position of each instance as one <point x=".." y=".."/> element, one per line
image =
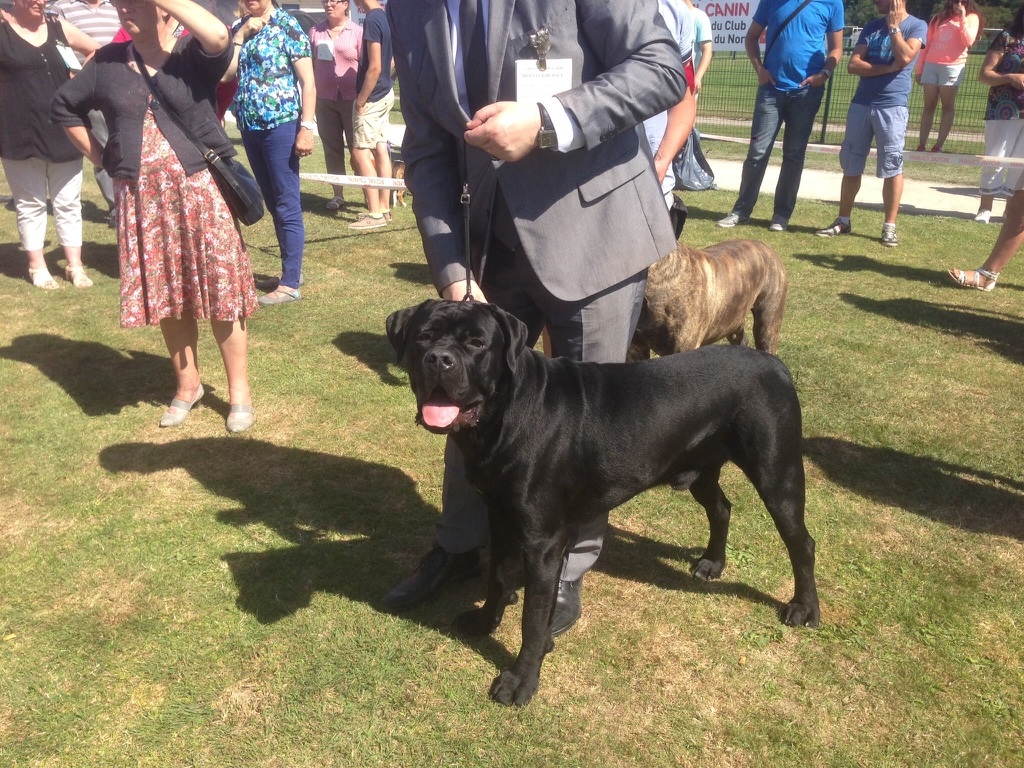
<point x="570" y="135"/>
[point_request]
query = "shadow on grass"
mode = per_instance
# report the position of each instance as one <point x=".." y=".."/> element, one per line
<point x="100" y="379"/>
<point x="1002" y="333"/>
<point x="101" y="257"/>
<point x="858" y="263"/>
<point x="417" y="273"/>
<point x="346" y="520"/>
<point x="373" y="350"/>
<point x="959" y="496"/>
<point x="633" y="557"/>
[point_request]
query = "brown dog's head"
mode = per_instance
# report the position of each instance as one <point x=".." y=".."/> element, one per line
<point x="458" y="355"/>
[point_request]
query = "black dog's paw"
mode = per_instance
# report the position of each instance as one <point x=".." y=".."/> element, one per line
<point x="799" y="615"/>
<point x="476" y="623"/>
<point x="706" y="570"/>
<point x="507" y="689"/>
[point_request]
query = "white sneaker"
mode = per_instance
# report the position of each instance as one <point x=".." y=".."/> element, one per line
<point x="983" y="217"/>
<point x="731" y="221"/>
<point x="778" y="224"/>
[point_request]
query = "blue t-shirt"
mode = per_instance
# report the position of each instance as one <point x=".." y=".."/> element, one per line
<point x="890" y="90"/>
<point x="376" y="30"/>
<point x="799" y="51"/>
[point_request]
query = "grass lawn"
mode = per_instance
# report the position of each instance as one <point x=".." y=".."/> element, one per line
<point x="187" y="598"/>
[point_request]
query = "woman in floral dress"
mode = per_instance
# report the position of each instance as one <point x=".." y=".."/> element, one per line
<point x="181" y="253"/>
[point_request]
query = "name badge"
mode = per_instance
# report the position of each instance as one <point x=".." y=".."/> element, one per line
<point x="325" y="50"/>
<point x="535" y="84"/>
<point x="69" y="57"/>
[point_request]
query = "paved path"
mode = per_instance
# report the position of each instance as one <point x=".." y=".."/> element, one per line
<point x="919" y="197"/>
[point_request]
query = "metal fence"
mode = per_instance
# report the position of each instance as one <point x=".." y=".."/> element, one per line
<point x="730" y="86"/>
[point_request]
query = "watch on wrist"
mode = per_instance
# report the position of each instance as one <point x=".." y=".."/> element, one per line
<point x="307" y="124"/>
<point x="546" y="137"/>
<point x="894" y="30"/>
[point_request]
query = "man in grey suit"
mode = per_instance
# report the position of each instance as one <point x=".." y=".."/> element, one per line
<point x="535" y="107"/>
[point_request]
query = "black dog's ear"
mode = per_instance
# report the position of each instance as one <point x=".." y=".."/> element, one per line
<point x="514" y="331"/>
<point x="397" y="323"/>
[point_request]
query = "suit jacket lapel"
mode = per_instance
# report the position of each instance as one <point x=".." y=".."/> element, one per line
<point x="498" y="25"/>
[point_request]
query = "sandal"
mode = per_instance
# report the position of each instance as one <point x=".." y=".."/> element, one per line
<point x="960" y="278"/>
<point x="279" y="296"/>
<point x="77" y="277"/>
<point x="240" y="418"/>
<point x="335" y="204"/>
<point x="41" y="278"/>
<point x="179" y="410"/>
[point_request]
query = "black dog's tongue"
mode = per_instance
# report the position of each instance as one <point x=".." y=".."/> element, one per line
<point x="439" y="412"/>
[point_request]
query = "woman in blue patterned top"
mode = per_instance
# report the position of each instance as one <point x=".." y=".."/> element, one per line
<point x="274" y="107"/>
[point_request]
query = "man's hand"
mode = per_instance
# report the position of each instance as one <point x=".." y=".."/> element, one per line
<point x="817" y="80"/>
<point x="764" y="77"/>
<point x="457" y="292"/>
<point x="506" y="129"/>
<point x="896" y="15"/>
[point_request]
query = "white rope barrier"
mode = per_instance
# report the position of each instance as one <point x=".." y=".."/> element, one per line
<point x="354" y="181"/>
<point x="936" y="158"/>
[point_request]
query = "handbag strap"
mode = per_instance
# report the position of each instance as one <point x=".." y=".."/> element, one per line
<point x="782" y="26"/>
<point x="208" y="154"/>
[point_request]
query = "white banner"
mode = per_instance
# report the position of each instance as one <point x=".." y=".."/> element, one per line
<point x="729" y="23"/>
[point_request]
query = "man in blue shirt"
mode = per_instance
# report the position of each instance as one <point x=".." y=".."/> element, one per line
<point x="883" y="59"/>
<point x="804" y="42"/>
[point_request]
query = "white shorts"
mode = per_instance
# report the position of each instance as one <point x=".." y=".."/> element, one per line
<point x="942" y="75"/>
<point x="1003" y="138"/>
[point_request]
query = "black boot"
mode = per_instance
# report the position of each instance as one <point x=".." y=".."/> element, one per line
<point x="568" y="606"/>
<point x="436" y="569"/>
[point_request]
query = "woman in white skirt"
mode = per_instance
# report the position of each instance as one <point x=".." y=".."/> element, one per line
<point x="1003" y="72"/>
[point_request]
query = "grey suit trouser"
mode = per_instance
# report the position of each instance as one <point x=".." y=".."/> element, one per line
<point x="596" y="329"/>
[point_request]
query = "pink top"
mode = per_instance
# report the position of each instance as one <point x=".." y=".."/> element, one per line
<point x="948" y="42"/>
<point x="335" y="77"/>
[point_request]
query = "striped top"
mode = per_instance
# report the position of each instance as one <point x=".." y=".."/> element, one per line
<point x="99" y="21"/>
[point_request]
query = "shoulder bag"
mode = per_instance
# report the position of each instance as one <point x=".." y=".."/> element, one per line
<point x="238" y="187"/>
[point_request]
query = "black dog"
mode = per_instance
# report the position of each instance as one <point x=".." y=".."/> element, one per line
<point x="552" y="442"/>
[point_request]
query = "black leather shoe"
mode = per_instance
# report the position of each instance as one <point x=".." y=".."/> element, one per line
<point x="436" y="569"/>
<point x="568" y="606"/>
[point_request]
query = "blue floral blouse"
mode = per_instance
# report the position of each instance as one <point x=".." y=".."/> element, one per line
<point x="268" y="91"/>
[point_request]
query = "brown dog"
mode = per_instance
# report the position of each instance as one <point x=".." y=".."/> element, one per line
<point x="697" y="297"/>
<point x="398" y="195"/>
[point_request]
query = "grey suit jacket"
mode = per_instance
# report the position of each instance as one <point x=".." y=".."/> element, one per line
<point x="587" y="219"/>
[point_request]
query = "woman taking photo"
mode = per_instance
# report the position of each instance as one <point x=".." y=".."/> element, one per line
<point x="274" y="106"/>
<point x="336" y="42"/>
<point x="940" y="67"/>
<point x="38" y="160"/>
<point x="181" y="254"/>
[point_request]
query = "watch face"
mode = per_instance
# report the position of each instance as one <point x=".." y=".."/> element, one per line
<point x="548" y="139"/>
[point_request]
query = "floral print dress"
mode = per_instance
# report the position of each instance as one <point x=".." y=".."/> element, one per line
<point x="181" y="253"/>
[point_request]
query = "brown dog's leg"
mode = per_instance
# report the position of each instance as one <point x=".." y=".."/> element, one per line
<point x="768" y="311"/>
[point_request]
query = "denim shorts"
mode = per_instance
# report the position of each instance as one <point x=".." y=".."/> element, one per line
<point x="887" y="126"/>
<point x="942" y="74"/>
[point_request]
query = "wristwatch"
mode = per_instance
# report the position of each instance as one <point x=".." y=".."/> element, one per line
<point x="546" y="138"/>
<point x="894" y="30"/>
<point x="308" y="125"/>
